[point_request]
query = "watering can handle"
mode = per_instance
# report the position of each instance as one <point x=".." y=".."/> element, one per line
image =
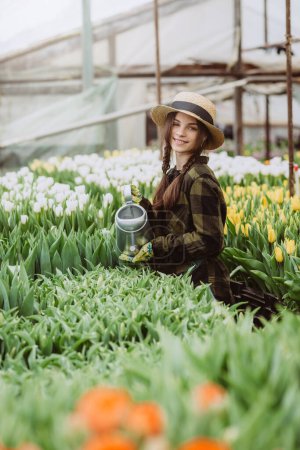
<point x="127" y="193"/>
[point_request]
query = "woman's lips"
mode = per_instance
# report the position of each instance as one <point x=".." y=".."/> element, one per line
<point x="179" y="141"/>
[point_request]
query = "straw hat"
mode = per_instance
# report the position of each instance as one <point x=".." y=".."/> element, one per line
<point x="194" y="105"/>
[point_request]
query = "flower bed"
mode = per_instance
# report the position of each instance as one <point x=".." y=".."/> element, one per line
<point x="60" y="217"/>
<point x="204" y="376"/>
<point x="99" y="357"/>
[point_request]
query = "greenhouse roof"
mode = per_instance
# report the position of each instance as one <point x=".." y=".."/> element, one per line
<point x="191" y="32"/>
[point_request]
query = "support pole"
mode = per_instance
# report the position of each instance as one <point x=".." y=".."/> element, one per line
<point x="112" y="128"/>
<point x="238" y="91"/>
<point x="157" y="53"/>
<point x="289" y="98"/>
<point x="87" y="46"/>
<point x="267" y="128"/>
<point x="267" y="97"/>
<point x="157" y="66"/>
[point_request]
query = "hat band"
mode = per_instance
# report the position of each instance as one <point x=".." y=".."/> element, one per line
<point x="196" y="109"/>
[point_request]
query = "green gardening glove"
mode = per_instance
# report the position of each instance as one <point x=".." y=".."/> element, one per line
<point x="145" y="253"/>
<point x="125" y="257"/>
<point x="128" y="256"/>
<point x="136" y="194"/>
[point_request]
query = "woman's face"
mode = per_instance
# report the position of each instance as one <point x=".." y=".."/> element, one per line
<point x="187" y="135"/>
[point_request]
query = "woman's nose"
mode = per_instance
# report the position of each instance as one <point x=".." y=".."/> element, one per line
<point x="180" y="131"/>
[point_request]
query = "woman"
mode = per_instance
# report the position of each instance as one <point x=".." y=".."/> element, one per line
<point x="189" y="211"/>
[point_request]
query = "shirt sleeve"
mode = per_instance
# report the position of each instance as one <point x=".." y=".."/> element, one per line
<point x="207" y="236"/>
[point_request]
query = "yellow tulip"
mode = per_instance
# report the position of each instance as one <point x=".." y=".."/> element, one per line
<point x="36" y="164"/>
<point x="295" y="203"/>
<point x="282" y="217"/>
<point x="290" y="246"/>
<point x="49" y="167"/>
<point x="238" y="191"/>
<point x="231" y="209"/>
<point x="235" y="219"/>
<point x="278" y="254"/>
<point x="271" y="235"/>
<point x="237" y="227"/>
<point x="264" y="202"/>
<point x="279" y="196"/>
<point x="225" y="229"/>
<point x="255" y="191"/>
<point x="247" y="229"/>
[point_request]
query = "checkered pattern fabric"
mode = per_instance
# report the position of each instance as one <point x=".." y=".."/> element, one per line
<point x="193" y="230"/>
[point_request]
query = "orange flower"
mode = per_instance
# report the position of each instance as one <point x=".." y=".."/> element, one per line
<point x="209" y="395"/>
<point x="204" y="444"/>
<point x="109" y="442"/>
<point x="145" y="419"/>
<point x="103" y="409"/>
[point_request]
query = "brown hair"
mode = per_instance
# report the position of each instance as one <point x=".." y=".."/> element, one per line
<point x="167" y="193"/>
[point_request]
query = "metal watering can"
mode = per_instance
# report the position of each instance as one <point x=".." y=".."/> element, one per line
<point x="132" y="226"/>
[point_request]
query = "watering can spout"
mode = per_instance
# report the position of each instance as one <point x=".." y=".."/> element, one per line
<point x="127" y="193"/>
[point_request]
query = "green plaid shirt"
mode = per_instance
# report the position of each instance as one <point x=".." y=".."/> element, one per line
<point x="193" y="230"/>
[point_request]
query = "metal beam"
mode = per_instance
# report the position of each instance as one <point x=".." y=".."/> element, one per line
<point x="269" y="46"/>
<point x="107" y="118"/>
<point x="87" y="46"/>
<point x="68" y="87"/>
<point x="267" y="98"/>
<point x="238" y="91"/>
<point x="157" y="68"/>
<point x="157" y="51"/>
<point x="289" y="98"/>
<point x="181" y="70"/>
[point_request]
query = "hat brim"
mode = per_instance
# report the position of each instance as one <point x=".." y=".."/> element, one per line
<point x="216" y="137"/>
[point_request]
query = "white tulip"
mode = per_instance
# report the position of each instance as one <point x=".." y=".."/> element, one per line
<point x="24" y="219"/>
<point x="8" y="206"/>
<point x="83" y="198"/>
<point x="72" y="205"/>
<point x="58" y="210"/>
<point x="37" y="207"/>
<point x="80" y="189"/>
<point x="107" y="199"/>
